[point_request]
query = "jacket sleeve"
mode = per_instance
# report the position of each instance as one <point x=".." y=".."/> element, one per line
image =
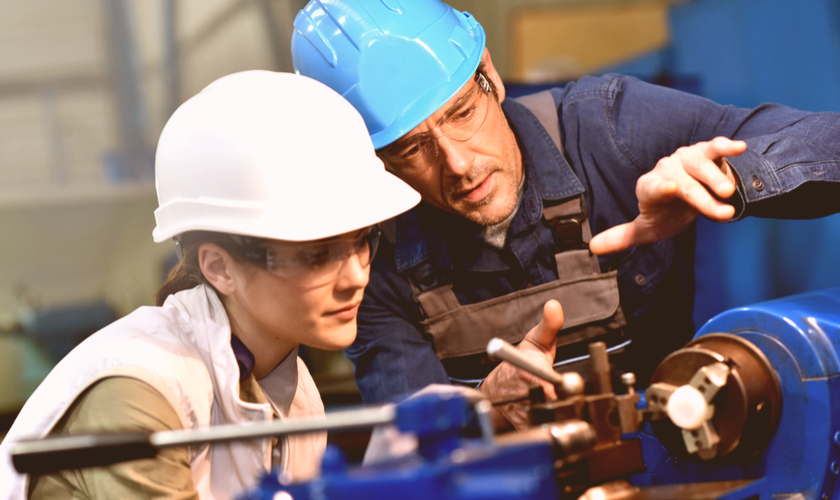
<point x="791" y="168"/>
<point x="392" y="356"/>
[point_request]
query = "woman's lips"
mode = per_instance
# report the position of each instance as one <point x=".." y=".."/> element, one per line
<point x="346" y="313"/>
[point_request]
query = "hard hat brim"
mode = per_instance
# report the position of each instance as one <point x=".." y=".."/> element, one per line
<point x="380" y="197"/>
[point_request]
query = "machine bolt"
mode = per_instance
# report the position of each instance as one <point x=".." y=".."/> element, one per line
<point x="835" y="468"/>
<point x="837" y="437"/>
<point x="628" y="379"/>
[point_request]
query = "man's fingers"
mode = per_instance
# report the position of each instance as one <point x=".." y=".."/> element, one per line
<point x="614" y="239"/>
<point x="705" y="160"/>
<point x="724" y="146"/>
<point x="693" y="193"/>
<point x="708" y="173"/>
<point x="654" y="189"/>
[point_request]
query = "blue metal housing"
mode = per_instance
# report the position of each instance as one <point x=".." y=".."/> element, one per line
<point x="800" y="335"/>
<point x="448" y="465"/>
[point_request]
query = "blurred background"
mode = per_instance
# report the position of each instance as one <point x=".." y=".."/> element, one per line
<point x="87" y="85"/>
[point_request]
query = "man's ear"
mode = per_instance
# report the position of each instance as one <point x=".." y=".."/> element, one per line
<point x="217" y="267"/>
<point x="493" y="75"/>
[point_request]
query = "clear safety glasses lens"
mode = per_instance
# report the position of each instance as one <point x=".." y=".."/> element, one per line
<point x="460" y="123"/>
<point x="320" y="261"/>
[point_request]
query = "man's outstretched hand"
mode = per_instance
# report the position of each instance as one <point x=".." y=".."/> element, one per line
<point x="508" y="382"/>
<point x="690" y="182"/>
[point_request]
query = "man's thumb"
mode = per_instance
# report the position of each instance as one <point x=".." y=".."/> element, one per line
<point x="545" y="334"/>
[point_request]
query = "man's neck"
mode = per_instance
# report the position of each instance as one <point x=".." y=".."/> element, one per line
<point x="495" y="235"/>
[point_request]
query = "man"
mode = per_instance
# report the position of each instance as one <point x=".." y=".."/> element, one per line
<point x="513" y="190"/>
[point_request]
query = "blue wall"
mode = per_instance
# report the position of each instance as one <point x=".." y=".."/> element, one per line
<point x="745" y="52"/>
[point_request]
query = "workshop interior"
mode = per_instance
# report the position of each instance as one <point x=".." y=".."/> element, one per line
<point x="87" y="85"/>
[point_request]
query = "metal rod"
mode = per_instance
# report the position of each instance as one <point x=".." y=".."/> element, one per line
<point x="98" y="450"/>
<point x="571" y="383"/>
<point x="600" y="367"/>
<point x="341" y="420"/>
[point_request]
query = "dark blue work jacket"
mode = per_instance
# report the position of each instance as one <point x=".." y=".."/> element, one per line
<point x="614" y="129"/>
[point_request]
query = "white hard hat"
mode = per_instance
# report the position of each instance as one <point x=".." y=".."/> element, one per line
<point x="271" y="155"/>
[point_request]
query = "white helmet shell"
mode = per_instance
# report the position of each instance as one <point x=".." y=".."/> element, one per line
<point x="271" y="155"/>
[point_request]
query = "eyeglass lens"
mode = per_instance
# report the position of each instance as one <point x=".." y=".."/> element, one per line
<point x="322" y="260"/>
<point x="461" y="123"/>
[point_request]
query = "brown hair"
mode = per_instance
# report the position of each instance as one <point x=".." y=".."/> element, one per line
<point x="187" y="273"/>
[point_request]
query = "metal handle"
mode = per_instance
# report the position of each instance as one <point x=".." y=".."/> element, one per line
<point x="92" y="450"/>
<point x="75" y="452"/>
<point x="569" y="383"/>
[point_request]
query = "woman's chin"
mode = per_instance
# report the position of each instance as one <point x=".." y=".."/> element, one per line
<point x="336" y="340"/>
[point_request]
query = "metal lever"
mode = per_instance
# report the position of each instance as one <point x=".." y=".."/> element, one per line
<point x="92" y="450"/>
<point x="569" y="384"/>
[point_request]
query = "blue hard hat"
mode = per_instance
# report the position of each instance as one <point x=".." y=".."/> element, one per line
<point x="396" y="61"/>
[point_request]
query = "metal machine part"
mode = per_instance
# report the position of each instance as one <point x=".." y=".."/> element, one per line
<point x="722" y="398"/>
<point x="690" y="407"/>
<point x="623" y="490"/>
<point x="610" y="414"/>
<point x="572" y="436"/>
<point x="566" y="384"/>
<point x="606" y="415"/>
<point x="569" y="439"/>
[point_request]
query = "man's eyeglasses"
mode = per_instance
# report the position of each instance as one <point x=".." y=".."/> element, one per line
<point x="313" y="263"/>
<point x="461" y="122"/>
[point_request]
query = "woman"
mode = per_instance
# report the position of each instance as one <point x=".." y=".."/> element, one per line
<point x="271" y="188"/>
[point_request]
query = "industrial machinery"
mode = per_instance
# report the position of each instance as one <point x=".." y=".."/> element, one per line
<point x="772" y="397"/>
<point x="749" y="409"/>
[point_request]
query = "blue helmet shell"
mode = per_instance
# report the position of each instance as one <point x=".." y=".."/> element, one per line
<point x="396" y="61"/>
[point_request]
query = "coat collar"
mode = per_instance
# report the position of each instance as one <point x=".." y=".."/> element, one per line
<point x="214" y="346"/>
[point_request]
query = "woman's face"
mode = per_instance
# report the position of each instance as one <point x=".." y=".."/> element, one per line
<point x="317" y="308"/>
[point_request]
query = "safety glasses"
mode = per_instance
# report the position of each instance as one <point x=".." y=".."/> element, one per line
<point x="313" y="263"/>
<point x="460" y="122"/>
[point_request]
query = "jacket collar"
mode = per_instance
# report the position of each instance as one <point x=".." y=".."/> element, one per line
<point x="421" y="233"/>
<point x="213" y="342"/>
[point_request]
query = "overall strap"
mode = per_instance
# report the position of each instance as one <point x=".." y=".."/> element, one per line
<point x="543" y="107"/>
<point x="429" y="289"/>
<point x="570" y="228"/>
<point x="568" y="219"/>
<point x="432" y="293"/>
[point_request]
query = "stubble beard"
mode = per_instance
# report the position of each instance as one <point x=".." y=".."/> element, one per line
<point x="493" y="208"/>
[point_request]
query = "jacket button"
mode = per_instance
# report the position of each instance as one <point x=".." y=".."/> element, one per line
<point x="758" y="184"/>
<point x="640" y="279"/>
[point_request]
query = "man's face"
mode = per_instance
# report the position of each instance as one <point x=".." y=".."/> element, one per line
<point x="476" y="177"/>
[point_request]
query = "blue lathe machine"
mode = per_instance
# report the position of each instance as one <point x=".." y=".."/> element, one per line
<point x="749" y="409"/>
